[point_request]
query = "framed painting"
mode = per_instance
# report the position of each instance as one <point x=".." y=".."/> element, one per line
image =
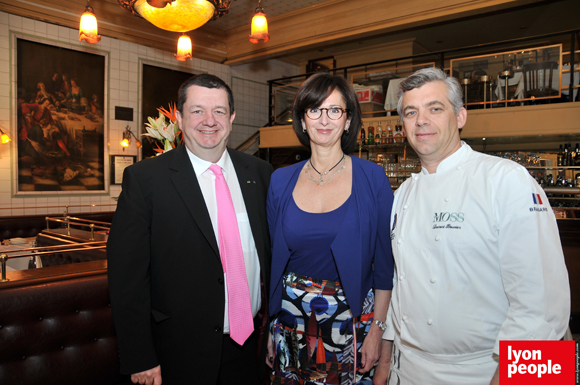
<point x="160" y="88"/>
<point x="60" y="118"/>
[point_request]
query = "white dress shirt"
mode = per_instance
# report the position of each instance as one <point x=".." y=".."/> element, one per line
<point x="206" y="179"/>
<point x="478" y="259"/>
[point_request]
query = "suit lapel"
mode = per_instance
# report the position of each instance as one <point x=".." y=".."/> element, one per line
<point x="186" y="184"/>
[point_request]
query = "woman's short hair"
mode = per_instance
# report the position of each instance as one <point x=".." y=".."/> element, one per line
<point x="313" y="92"/>
<point x="428" y="75"/>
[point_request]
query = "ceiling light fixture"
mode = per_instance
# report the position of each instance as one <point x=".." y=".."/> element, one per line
<point x="259" y="26"/>
<point x="88" y="28"/>
<point x="183" y="48"/>
<point x="177" y="15"/>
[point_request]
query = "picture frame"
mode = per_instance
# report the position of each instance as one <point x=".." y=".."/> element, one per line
<point x="60" y="114"/>
<point x="118" y="164"/>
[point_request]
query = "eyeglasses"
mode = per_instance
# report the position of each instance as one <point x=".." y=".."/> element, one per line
<point x="333" y="113"/>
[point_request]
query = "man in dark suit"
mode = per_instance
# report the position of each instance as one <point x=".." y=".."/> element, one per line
<point x="167" y="283"/>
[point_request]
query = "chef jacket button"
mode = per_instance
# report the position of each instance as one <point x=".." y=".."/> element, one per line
<point x="446" y="199"/>
<point x="429" y="321"/>
<point x="433" y="280"/>
<point x="405" y="207"/>
<point x="459" y="167"/>
<point x="415" y="177"/>
<point x="399" y="241"/>
<point x="405" y="318"/>
<point x="437" y="238"/>
<point x="402" y="277"/>
<point x="217" y="329"/>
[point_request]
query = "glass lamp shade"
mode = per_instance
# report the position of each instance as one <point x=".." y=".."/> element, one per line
<point x="4" y="138"/>
<point x="125" y="143"/>
<point x="176" y="16"/>
<point x="259" y="27"/>
<point x="88" y="29"/>
<point x="183" y="48"/>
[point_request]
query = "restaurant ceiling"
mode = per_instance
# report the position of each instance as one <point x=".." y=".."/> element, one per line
<point x="241" y="11"/>
<point x="308" y="29"/>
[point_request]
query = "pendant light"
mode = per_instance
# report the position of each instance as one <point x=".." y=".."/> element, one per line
<point x="259" y="26"/>
<point x="183" y="48"/>
<point x="88" y="29"/>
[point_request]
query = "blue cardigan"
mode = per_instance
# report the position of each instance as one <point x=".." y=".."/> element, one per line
<point x="363" y="241"/>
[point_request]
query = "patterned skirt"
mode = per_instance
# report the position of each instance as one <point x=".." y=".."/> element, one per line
<point x="317" y="340"/>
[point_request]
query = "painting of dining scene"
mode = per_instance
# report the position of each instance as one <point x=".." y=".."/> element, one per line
<point x="61" y="133"/>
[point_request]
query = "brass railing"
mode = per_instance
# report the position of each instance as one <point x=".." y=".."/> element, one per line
<point x="46" y="250"/>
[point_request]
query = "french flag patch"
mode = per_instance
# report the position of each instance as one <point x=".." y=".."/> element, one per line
<point x="537" y="199"/>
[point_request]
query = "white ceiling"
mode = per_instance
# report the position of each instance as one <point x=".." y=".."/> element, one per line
<point x="241" y="11"/>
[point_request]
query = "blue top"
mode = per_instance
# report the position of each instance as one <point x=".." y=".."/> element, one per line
<point x="309" y="237"/>
<point x="363" y="240"/>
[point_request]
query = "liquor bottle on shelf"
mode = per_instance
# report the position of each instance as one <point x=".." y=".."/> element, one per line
<point x="560" y="157"/>
<point x="383" y="136"/>
<point x="399" y="138"/>
<point x="398" y="133"/>
<point x="565" y="157"/>
<point x="389" y="132"/>
<point x="577" y="156"/>
<point x="570" y="156"/>
<point x="363" y="135"/>
<point x="371" y="134"/>
<point x="379" y="133"/>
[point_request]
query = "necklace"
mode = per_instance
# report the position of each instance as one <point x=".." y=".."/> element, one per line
<point x="320" y="180"/>
<point x="326" y="172"/>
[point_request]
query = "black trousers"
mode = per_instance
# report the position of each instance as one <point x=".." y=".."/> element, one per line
<point x="239" y="364"/>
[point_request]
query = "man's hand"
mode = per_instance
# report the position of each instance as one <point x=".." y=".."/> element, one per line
<point x="384" y="365"/>
<point x="148" y="377"/>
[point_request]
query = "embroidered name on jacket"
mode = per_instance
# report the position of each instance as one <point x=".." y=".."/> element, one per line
<point x="449" y="217"/>
<point x="448" y="220"/>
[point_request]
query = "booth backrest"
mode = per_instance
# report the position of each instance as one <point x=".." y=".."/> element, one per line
<point x="58" y="330"/>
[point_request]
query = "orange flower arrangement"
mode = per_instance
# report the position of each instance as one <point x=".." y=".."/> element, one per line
<point x="167" y="132"/>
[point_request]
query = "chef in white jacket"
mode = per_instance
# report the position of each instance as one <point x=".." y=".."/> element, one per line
<point x="476" y="246"/>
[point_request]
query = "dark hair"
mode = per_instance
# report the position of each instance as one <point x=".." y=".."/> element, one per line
<point x="313" y="92"/>
<point x="206" y="81"/>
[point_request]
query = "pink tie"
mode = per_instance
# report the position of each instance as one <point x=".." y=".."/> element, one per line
<point x="239" y="306"/>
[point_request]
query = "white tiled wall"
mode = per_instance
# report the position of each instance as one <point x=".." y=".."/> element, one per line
<point x="248" y="82"/>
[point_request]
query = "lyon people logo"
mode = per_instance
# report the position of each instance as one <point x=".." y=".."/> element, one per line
<point x="537" y="362"/>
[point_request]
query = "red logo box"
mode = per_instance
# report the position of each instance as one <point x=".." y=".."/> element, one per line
<point x="537" y="362"/>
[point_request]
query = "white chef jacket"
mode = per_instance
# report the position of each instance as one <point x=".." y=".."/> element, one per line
<point x="478" y="259"/>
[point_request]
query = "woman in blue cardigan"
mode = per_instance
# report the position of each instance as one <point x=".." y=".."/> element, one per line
<point x="332" y="267"/>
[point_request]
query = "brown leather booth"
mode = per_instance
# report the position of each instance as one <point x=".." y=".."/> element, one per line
<point x="56" y="327"/>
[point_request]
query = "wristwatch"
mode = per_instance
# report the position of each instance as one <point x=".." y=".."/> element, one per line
<point x="381" y="325"/>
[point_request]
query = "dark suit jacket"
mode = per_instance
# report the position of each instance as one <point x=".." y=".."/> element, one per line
<point x="165" y="275"/>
